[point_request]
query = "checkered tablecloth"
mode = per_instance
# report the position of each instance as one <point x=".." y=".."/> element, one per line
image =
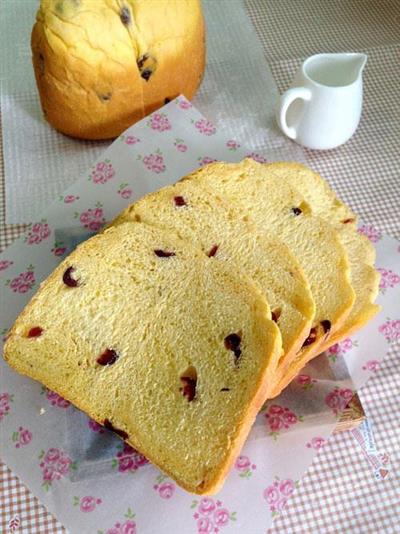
<point x="339" y="493"/>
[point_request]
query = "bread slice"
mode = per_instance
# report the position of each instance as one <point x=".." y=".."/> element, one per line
<point x="156" y="341"/>
<point x="324" y="203"/>
<point x="201" y="217"/>
<point x="276" y="207"/>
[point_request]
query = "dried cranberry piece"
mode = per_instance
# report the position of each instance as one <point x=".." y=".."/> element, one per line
<point x="146" y="65"/>
<point x="212" y="251"/>
<point x="105" y="97"/>
<point x="275" y="314"/>
<point x="346" y="221"/>
<point x="232" y="342"/>
<point x="146" y="74"/>
<point x="108" y="357"/>
<point x="180" y="201"/>
<point x="125" y="16"/>
<point x="326" y="325"/>
<point x="35" y="331"/>
<point x="108" y="424"/>
<point x="189" y="387"/>
<point x="224" y="389"/>
<point x="311" y="337"/>
<point x="140" y="62"/>
<point x="163" y="253"/>
<point x="296" y="211"/>
<point x="67" y="278"/>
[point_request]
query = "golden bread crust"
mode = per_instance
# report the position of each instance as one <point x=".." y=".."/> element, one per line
<point x="99" y="69"/>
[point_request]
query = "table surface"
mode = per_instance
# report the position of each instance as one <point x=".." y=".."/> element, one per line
<point x="339" y="493"/>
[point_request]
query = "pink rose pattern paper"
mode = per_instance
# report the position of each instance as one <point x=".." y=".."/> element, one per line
<point x="305" y="381"/>
<point x="123" y="527"/>
<point x="92" y="218"/>
<point x="21" y="437"/>
<point x="55" y="399"/>
<point x="5" y="264"/>
<point x="128" y="459"/>
<point x="180" y="145"/>
<point x="205" y="160"/>
<point x="23" y="282"/>
<point x="316" y="443"/>
<point x="232" y="144"/>
<point x="102" y="172"/>
<point x="341" y="348"/>
<point x="338" y="399"/>
<point x="244" y="466"/>
<point x="58" y="248"/>
<point x="388" y="280"/>
<point x="371" y="365"/>
<point x="124" y="191"/>
<point x="129" y="139"/>
<point x="68" y="199"/>
<point x="210" y="515"/>
<point x="159" y="152"/>
<point x="159" y="122"/>
<point x="153" y="162"/>
<point x="278" y="493"/>
<point x="87" y="504"/>
<point x="205" y="127"/>
<point x="390" y="329"/>
<point x="164" y="487"/>
<point x="370" y="232"/>
<point x="5" y="404"/>
<point x="280" y="418"/>
<point x="38" y="232"/>
<point x="54" y="464"/>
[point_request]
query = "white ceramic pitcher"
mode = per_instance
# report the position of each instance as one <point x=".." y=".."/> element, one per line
<point x="323" y="107"/>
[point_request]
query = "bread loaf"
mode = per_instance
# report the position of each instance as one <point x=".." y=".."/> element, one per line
<point x="157" y="341"/>
<point x="101" y="65"/>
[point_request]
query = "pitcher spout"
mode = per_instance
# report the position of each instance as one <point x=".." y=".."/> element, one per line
<point x="361" y="61"/>
<point x="349" y="66"/>
<point x="335" y="70"/>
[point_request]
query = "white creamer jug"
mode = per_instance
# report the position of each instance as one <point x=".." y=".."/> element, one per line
<point x="323" y="107"/>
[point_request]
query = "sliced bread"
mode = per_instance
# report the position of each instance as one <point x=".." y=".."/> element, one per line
<point x="156" y="341"/>
<point x="324" y="203"/>
<point x="274" y="206"/>
<point x="200" y="216"/>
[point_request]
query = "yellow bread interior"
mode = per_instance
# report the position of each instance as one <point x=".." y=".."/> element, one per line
<point x="166" y="317"/>
<point x="200" y="216"/>
<point x="324" y="203"/>
<point x="274" y="206"/>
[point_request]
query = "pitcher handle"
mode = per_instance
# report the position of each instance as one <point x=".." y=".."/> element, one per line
<point x="285" y="101"/>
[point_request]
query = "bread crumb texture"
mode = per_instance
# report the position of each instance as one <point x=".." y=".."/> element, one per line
<point x="172" y="350"/>
<point x="199" y="215"/>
